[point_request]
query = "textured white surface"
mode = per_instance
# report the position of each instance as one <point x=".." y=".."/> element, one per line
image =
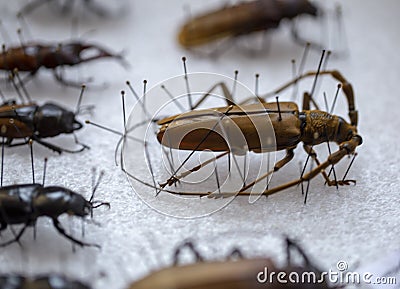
<point x="357" y="224"/>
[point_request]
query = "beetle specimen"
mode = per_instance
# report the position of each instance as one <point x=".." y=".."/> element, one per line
<point x="32" y="121"/>
<point x="25" y="203"/>
<point x="236" y="272"/>
<point x="244" y="18"/>
<point x="30" y="57"/>
<point x="52" y="281"/>
<point x="196" y="130"/>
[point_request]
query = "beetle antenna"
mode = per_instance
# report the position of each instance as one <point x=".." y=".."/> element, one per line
<point x="96" y="186"/>
<point x="234" y="84"/>
<point x="32" y="163"/>
<point x="172" y="98"/>
<point x="21" y="83"/>
<point x="44" y="171"/>
<point x="2" y="161"/>
<point x="78" y="104"/>
<point x="187" y="83"/>
<point x="348" y="169"/>
<point x="339" y="86"/>
<point x="317" y="74"/>
<point x="279" y="108"/>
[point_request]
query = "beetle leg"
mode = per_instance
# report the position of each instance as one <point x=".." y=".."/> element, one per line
<point x="345" y="148"/>
<point x="227" y="94"/>
<point x="309" y="150"/>
<point x="192" y="170"/>
<point x="191" y="247"/>
<point x="96" y="8"/>
<point x="61" y="230"/>
<point x="59" y="77"/>
<point x="79" y="143"/>
<point x="300" y="40"/>
<point x="16" y="238"/>
<point x="288" y="157"/>
<point x="56" y="148"/>
<point x="9" y="144"/>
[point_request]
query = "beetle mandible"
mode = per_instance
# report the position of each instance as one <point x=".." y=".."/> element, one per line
<point x="236" y="272"/>
<point x="51" y="281"/>
<point x="244" y="18"/>
<point x="191" y="131"/>
<point x="25" y="203"/>
<point x="30" y="57"/>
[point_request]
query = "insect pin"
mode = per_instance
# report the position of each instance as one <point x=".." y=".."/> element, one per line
<point x="244" y="18"/>
<point x="23" y="204"/>
<point x="51" y="281"/>
<point x="236" y="272"/>
<point x="29" y="120"/>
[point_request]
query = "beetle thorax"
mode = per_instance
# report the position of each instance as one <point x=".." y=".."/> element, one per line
<point x="319" y="126"/>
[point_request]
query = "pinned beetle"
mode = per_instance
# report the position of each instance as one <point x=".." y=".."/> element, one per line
<point x="33" y="121"/>
<point x="235" y="273"/>
<point x="30" y="57"/>
<point x="52" y="281"/>
<point x="25" y="203"/>
<point x="244" y="18"/>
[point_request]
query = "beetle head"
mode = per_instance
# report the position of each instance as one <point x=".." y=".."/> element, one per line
<point x="345" y="132"/>
<point x="76" y="52"/>
<point x="52" y="120"/>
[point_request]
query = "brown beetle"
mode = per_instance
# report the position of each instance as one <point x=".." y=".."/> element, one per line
<point x="244" y="18"/>
<point x="235" y="273"/>
<point x="30" y="57"/>
<point x="195" y="131"/>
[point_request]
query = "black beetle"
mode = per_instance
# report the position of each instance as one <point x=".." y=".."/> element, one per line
<point x="52" y="281"/>
<point x="25" y="203"/>
<point x="32" y="121"/>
